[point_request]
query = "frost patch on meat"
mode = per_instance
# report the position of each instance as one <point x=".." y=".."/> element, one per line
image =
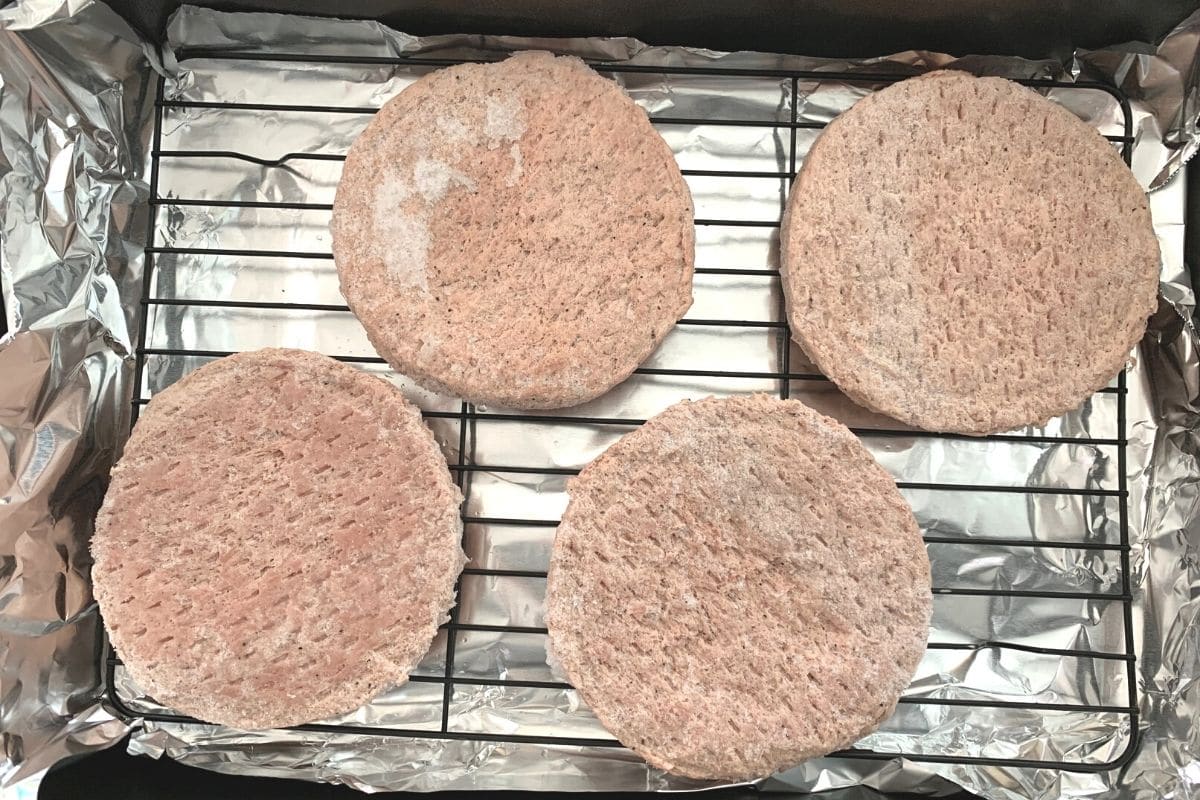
<point x="434" y="177"/>
<point x="402" y="232"/>
<point x="504" y="120"/>
<point x="402" y="240"/>
<point x="453" y="128"/>
<point x="429" y="346"/>
<point x="514" y="174"/>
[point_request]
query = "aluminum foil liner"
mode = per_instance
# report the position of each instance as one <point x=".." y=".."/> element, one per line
<point x="74" y="110"/>
<point x="74" y="127"/>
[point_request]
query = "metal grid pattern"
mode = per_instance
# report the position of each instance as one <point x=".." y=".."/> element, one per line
<point x="784" y="377"/>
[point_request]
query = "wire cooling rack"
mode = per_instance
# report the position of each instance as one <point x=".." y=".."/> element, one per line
<point x="442" y="686"/>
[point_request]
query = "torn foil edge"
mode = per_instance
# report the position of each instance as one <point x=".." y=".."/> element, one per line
<point x="71" y="346"/>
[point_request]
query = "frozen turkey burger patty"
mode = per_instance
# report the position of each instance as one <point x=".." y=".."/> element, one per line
<point x="965" y="255"/>
<point x="514" y="233"/>
<point x="737" y="586"/>
<point x="279" y="542"/>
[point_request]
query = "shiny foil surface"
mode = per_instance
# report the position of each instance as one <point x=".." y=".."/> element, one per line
<point x="76" y="121"/>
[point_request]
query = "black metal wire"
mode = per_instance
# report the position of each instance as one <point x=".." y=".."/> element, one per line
<point x="468" y="416"/>
<point x="1123" y="501"/>
<point x="460" y="478"/>
<point x="785" y="336"/>
<point x="3" y="304"/>
<point x="148" y="264"/>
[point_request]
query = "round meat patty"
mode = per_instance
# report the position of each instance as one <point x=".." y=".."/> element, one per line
<point x="737" y="586"/>
<point x="279" y="542"/>
<point x="965" y="255"/>
<point x="514" y="233"/>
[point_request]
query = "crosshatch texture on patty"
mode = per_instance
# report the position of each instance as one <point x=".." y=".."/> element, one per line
<point x="738" y="586"/>
<point x="514" y="233"/>
<point x="966" y="256"/>
<point x="279" y="542"/>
